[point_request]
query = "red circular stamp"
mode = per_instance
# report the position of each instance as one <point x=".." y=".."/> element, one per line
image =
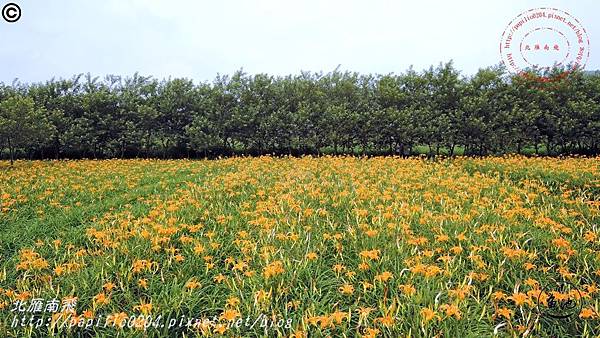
<point x="544" y="38"/>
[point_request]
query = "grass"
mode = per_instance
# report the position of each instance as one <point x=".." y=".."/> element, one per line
<point x="316" y="247"/>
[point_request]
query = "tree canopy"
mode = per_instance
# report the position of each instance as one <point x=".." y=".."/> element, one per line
<point x="436" y="110"/>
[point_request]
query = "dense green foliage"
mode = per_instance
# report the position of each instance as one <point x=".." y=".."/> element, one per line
<point x="436" y="110"/>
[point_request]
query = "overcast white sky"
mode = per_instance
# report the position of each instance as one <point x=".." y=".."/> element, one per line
<point x="198" y="39"/>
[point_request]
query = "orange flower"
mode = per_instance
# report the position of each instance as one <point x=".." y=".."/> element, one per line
<point x="192" y="284"/>
<point x="230" y="315"/>
<point x="143" y="307"/>
<point x="273" y="269"/>
<point x="384" y="276"/>
<point x="503" y="312"/>
<point x="233" y="301"/>
<point x="364" y="312"/>
<point x="338" y="317"/>
<point x="101" y="299"/>
<point x="428" y="314"/>
<point x="311" y="256"/>
<point x="588" y="313"/>
<point x="387" y="320"/>
<point x="347" y="289"/>
<point x="451" y="310"/>
<point x="143" y="283"/>
<point x="407" y="289"/>
<point x="338" y="268"/>
<point x="108" y="286"/>
<point x="520" y="299"/>
<point x="370" y="333"/>
<point x="590" y="236"/>
<point x="370" y="254"/>
<point x="460" y="292"/>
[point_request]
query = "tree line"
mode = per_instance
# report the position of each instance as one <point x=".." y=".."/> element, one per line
<point x="435" y="111"/>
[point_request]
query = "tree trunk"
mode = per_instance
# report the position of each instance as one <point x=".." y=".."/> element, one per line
<point x="57" y="148"/>
<point x="164" y="144"/>
<point x="11" y="152"/>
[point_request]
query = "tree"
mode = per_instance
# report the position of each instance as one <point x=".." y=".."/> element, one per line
<point x="491" y="112"/>
<point x="202" y="134"/>
<point x="22" y="125"/>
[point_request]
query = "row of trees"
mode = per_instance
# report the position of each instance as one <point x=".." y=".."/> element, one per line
<point x="340" y="112"/>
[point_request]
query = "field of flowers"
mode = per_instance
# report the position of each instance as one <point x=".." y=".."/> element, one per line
<point x="301" y="247"/>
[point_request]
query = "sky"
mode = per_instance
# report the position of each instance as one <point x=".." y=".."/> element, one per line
<point x="199" y="39"/>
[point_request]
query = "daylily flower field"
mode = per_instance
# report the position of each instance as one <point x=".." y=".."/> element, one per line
<point x="301" y="247"/>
